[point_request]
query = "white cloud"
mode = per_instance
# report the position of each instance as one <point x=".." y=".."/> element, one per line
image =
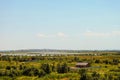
<point x="87" y="34"/>
<point x="116" y="33"/>
<point x="101" y="34"/>
<point x="96" y="34"/>
<point x="41" y="35"/>
<point x="61" y="34"/>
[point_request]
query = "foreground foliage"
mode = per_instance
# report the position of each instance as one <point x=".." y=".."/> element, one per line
<point x="102" y="67"/>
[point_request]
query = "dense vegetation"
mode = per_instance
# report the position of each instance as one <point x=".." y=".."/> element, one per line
<point x="105" y="66"/>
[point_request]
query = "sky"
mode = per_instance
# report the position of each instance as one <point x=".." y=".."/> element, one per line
<point x="60" y="24"/>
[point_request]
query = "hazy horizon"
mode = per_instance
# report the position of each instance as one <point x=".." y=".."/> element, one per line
<point x="64" y="24"/>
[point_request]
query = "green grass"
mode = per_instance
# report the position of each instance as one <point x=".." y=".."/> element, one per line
<point x="72" y="75"/>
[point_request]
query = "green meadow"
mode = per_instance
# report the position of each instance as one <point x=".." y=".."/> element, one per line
<point x="103" y="66"/>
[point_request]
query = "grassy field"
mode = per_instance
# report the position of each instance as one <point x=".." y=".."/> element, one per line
<point x="102" y="67"/>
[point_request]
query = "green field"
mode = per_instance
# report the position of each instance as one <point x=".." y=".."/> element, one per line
<point x="103" y="66"/>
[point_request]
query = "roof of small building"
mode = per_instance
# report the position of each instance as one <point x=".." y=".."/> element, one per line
<point x="82" y="63"/>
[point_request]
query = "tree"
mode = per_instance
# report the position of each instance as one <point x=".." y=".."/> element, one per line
<point x="58" y="68"/>
<point x="31" y="71"/>
<point x="76" y="59"/>
<point x="65" y="68"/>
<point x="95" y="76"/>
<point x="41" y="73"/>
<point x="97" y="61"/>
<point x="62" y="68"/>
<point x="8" y="67"/>
<point x="53" y="67"/>
<point x="13" y="73"/>
<point x="83" y="74"/>
<point x="46" y="68"/>
<point x="115" y="61"/>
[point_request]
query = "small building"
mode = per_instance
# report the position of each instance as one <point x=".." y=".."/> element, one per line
<point x="82" y="64"/>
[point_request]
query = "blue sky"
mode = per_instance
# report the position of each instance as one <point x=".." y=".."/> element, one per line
<point x="59" y="24"/>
